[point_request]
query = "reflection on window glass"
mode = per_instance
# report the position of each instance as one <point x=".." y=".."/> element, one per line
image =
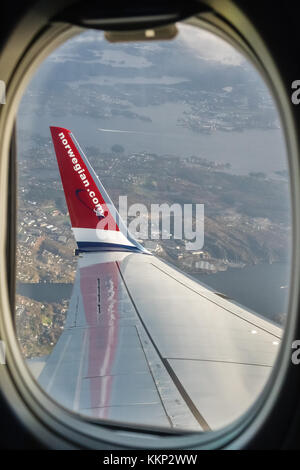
<point x="178" y="323"/>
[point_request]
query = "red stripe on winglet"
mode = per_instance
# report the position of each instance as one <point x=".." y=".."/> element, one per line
<point x="81" y="192"/>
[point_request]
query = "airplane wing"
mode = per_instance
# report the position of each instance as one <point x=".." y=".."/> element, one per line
<point x="143" y="343"/>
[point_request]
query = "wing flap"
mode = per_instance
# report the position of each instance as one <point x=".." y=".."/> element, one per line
<point x="105" y="365"/>
<point x="148" y="346"/>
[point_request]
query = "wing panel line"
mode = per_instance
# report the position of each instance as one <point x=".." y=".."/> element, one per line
<point x="173" y="376"/>
<point x="216" y="303"/>
<point x="151" y="373"/>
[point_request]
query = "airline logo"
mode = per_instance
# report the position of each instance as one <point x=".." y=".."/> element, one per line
<point x="93" y="216"/>
<point x="98" y="209"/>
<point x="87" y="207"/>
<point x="76" y="166"/>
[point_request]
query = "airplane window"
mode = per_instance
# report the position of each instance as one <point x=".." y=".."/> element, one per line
<point x="154" y="230"/>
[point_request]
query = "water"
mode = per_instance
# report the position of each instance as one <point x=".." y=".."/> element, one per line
<point x="45" y="291"/>
<point x="262" y="288"/>
<point x="243" y="150"/>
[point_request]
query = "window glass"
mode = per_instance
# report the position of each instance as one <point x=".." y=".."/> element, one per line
<point x="185" y="137"/>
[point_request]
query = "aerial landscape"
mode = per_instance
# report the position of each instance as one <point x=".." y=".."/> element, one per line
<point x="156" y="130"/>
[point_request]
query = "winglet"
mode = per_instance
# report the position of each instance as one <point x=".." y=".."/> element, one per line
<point x="96" y="224"/>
